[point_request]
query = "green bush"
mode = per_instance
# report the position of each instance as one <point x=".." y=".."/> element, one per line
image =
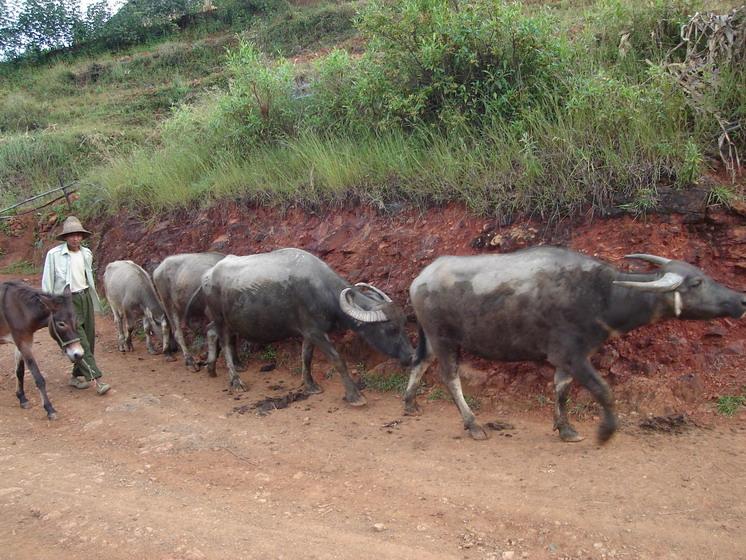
<point x="439" y="62"/>
<point x="260" y="105"/>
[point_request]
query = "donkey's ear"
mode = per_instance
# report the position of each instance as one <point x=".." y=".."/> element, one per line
<point x="50" y="302"/>
<point x="67" y="292"/>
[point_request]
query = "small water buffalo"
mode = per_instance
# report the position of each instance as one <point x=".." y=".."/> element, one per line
<point x="176" y="279"/>
<point x="549" y="303"/>
<point x="286" y="293"/>
<point x="23" y="311"/>
<point x="131" y="295"/>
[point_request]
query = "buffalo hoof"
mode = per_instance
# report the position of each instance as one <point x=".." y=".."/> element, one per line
<point x="412" y="409"/>
<point x="238" y="385"/>
<point x="477" y="432"/>
<point x="356" y="400"/>
<point x="312" y="388"/>
<point x="568" y="434"/>
<point x="26" y="404"/>
<point x="52" y="416"/>
<point x="170" y="358"/>
<point x="605" y="431"/>
<point x="211" y="370"/>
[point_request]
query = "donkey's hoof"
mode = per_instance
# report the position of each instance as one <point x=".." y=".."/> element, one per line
<point x="26" y="404"/>
<point x="52" y="416"/>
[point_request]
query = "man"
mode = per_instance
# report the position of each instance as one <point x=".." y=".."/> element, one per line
<point x="72" y="264"/>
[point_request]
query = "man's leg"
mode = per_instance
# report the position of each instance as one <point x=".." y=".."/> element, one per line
<point x="87" y="366"/>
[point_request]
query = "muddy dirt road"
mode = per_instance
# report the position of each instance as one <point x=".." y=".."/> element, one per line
<point x="162" y="468"/>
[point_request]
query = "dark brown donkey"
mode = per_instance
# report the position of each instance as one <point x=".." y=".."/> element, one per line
<point x="23" y="311"/>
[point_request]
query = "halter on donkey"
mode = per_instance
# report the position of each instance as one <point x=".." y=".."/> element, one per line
<point x="23" y="311"/>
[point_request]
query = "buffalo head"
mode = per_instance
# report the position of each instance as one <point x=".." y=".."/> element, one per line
<point x="696" y="295"/>
<point x="378" y="320"/>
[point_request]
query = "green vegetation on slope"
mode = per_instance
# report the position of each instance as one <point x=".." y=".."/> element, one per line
<point x="503" y="108"/>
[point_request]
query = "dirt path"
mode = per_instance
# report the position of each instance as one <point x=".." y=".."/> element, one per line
<point x="161" y="468"/>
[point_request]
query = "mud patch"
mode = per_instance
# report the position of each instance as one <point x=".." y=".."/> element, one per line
<point x="669" y="424"/>
<point x="265" y="406"/>
<point x="499" y="425"/>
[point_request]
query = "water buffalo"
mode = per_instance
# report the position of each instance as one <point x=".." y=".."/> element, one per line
<point x="23" y="311"/>
<point x="273" y="296"/>
<point x="549" y="303"/>
<point x="131" y="295"/>
<point x="176" y="279"/>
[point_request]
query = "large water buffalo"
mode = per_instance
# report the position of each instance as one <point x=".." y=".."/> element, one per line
<point x="552" y="304"/>
<point x="286" y="293"/>
<point x="176" y="279"/>
<point x="131" y="295"/>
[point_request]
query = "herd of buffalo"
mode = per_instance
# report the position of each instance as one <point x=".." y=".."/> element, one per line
<point x="543" y="303"/>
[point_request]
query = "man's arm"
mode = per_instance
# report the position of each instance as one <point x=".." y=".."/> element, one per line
<point x="47" y="277"/>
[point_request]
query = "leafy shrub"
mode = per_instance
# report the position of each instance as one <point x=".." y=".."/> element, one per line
<point x="260" y="105"/>
<point x="428" y="61"/>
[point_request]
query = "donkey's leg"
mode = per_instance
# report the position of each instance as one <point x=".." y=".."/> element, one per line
<point x="25" y="349"/>
<point x="20" y="371"/>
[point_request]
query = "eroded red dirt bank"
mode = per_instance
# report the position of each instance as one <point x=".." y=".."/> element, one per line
<point x="674" y="366"/>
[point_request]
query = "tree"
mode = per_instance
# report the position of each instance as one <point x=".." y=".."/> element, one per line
<point x="43" y="24"/>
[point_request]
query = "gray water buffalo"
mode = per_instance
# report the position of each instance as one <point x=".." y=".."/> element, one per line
<point x="176" y="279"/>
<point x="551" y="304"/>
<point x="131" y="295"/>
<point x="286" y="293"/>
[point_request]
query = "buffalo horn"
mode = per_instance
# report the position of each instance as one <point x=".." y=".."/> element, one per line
<point x="666" y="283"/>
<point x="649" y="258"/>
<point x="357" y="312"/>
<point x="372" y="288"/>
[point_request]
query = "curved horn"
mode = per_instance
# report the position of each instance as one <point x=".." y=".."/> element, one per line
<point x="357" y="312"/>
<point x="372" y="288"/>
<point x="666" y="283"/>
<point x="661" y="261"/>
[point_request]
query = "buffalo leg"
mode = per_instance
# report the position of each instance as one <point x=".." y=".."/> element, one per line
<point x="309" y="384"/>
<point x="41" y="384"/>
<point x="168" y="350"/>
<point x="411" y="407"/>
<point x="148" y="326"/>
<point x="449" y="375"/>
<point x="129" y="326"/>
<point x="352" y="393"/>
<point x="212" y="349"/>
<point x="20" y="372"/>
<point x="179" y="336"/>
<point x="225" y="342"/>
<point x="120" y="329"/>
<point x="582" y="371"/>
<point x="562" y="384"/>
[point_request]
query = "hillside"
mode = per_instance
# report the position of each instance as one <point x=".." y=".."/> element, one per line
<point x="490" y="106"/>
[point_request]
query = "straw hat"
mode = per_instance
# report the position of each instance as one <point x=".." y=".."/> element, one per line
<point x="72" y="225"/>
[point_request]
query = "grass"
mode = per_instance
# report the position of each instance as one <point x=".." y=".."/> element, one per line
<point x="20" y="268"/>
<point x="269" y="354"/>
<point x="385" y="383"/>
<point x="729" y="405"/>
